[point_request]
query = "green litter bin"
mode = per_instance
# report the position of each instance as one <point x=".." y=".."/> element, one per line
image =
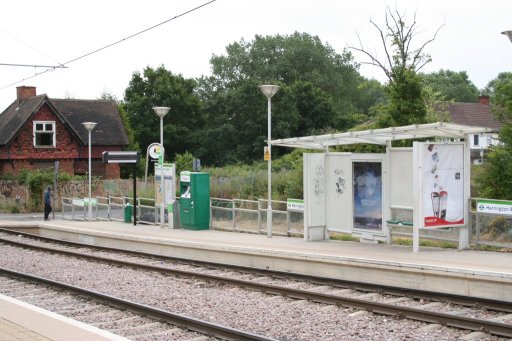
<point x="128" y="213"/>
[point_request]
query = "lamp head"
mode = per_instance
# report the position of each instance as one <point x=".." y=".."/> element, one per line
<point x="89" y="125"/>
<point x="508" y="34"/>
<point x="269" y="90"/>
<point x="161" y="111"/>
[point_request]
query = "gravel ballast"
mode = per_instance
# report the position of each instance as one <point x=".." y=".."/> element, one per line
<point x="272" y="316"/>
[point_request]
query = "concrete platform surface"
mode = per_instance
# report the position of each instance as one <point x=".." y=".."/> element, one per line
<point x="496" y="264"/>
<point x="23" y="322"/>
<point x="468" y="272"/>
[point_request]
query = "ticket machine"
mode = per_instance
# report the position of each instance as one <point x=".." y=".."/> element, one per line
<point x="195" y="200"/>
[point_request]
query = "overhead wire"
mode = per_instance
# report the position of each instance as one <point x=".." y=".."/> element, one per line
<point x="30" y="46"/>
<point x="111" y="44"/>
<point x="35" y="65"/>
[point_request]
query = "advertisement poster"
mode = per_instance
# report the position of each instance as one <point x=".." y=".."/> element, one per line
<point x="443" y="185"/>
<point x="367" y="177"/>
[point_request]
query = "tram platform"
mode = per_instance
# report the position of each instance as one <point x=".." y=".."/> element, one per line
<point x="20" y="321"/>
<point x="471" y="273"/>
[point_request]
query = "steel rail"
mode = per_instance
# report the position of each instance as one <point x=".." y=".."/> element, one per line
<point x="496" y="328"/>
<point x="202" y="327"/>
<point x="485" y="303"/>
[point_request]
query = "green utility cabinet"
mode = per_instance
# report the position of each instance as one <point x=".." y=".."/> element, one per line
<point x="195" y="200"/>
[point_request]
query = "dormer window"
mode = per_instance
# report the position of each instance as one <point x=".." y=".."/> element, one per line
<point x="44" y="134"/>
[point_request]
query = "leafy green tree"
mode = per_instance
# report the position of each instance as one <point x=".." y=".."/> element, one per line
<point x="237" y="129"/>
<point x="436" y="105"/>
<point x="286" y="59"/>
<point x="496" y="178"/>
<point x="313" y="108"/>
<point x="490" y="87"/>
<point x="406" y="101"/>
<point x="452" y="85"/>
<point x="371" y="93"/>
<point x="133" y="144"/>
<point x="160" y="87"/>
<point x="319" y="90"/>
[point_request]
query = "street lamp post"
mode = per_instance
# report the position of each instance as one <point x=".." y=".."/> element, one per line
<point x="161" y="112"/>
<point x="269" y="91"/>
<point x="90" y="126"/>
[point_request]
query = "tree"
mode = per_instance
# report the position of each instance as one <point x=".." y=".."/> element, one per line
<point x="452" y="85"/>
<point x="313" y="108"/>
<point x="319" y="90"/>
<point x="496" y="178"/>
<point x="406" y="102"/>
<point x="371" y="92"/>
<point x="287" y="59"/>
<point x="160" y="87"/>
<point x="490" y="88"/>
<point x="400" y="64"/>
<point x="133" y="144"/>
<point x="237" y="123"/>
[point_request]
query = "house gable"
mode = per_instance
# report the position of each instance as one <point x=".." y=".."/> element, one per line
<point x="36" y="131"/>
<point x="21" y="145"/>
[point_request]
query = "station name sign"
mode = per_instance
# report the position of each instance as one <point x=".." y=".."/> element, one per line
<point x="295" y="205"/>
<point x="494" y="207"/>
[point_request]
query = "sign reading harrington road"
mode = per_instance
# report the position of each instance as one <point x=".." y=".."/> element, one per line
<point x="494" y="207"/>
<point x="295" y="205"/>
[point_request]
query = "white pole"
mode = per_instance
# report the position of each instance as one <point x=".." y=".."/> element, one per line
<point x="90" y="181"/>
<point x="162" y="187"/>
<point x="162" y="131"/>
<point x="417" y="181"/>
<point x="269" y="206"/>
<point x="269" y="91"/>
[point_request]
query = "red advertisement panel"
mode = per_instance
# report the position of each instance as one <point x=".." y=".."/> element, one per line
<point x="443" y="185"/>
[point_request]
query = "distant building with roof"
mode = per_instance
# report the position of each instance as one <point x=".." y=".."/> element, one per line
<point x="480" y="115"/>
<point x="36" y="131"/>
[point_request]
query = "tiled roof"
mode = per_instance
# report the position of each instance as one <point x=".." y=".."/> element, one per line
<point x="473" y="114"/>
<point x="108" y="131"/>
<point x="13" y="118"/>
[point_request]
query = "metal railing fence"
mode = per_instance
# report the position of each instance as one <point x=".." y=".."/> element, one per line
<point x="237" y="215"/>
<point x="491" y="229"/>
<point x="102" y="208"/>
<point x="485" y="229"/>
<point x="250" y="216"/>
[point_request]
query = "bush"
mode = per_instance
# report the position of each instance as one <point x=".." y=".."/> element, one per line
<point x="36" y="180"/>
<point x="499" y="226"/>
<point x="183" y="162"/>
<point x="250" y="181"/>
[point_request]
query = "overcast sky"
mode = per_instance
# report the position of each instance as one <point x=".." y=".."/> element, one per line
<point x="51" y="32"/>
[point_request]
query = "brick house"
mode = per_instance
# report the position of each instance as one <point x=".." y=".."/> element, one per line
<point x="481" y="115"/>
<point x="36" y="131"/>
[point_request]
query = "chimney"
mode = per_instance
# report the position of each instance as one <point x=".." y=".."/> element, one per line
<point x="25" y="92"/>
<point x="483" y="100"/>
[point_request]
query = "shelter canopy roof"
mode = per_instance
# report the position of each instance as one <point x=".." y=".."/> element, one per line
<point x="383" y="136"/>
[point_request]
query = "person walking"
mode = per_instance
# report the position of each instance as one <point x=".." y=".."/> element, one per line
<point x="47" y="203"/>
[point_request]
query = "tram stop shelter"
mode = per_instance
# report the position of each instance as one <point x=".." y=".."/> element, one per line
<point x="426" y="186"/>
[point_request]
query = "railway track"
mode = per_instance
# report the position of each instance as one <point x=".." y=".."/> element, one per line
<point x="342" y="284"/>
<point x="366" y="297"/>
<point x="119" y="316"/>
